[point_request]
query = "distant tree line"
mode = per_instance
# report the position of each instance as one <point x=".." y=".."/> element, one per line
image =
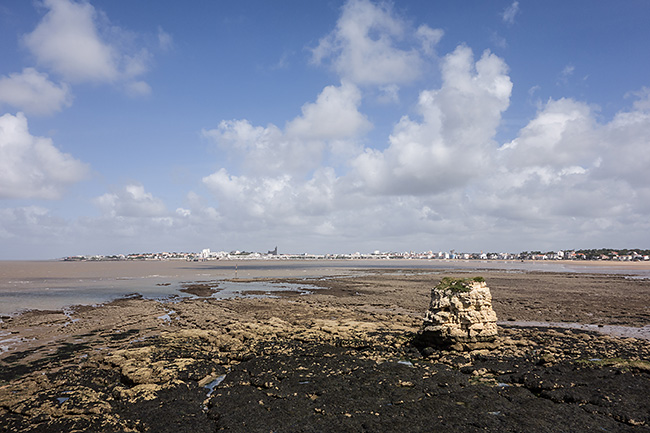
<point x="592" y="254"/>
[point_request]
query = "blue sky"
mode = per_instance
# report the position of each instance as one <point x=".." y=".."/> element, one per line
<point x="334" y="126"/>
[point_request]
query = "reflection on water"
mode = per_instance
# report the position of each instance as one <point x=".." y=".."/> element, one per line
<point x="89" y="293"/>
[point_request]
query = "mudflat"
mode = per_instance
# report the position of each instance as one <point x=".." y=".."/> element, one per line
<point x="342" y="358"/>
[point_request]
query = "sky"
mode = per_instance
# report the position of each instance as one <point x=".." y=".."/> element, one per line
<point x="323" y="127"/>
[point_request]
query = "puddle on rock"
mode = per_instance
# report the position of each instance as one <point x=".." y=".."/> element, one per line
<point x="212" y="385"/>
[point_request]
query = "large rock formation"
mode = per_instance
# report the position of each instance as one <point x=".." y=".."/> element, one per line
<point x="460" y="316"/>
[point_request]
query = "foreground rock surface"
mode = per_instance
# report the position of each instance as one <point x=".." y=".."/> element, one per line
<point x="338" y="360"/>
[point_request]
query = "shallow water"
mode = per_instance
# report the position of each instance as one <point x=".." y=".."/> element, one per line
<point x="212" y="385"/>
<point x="54" y="285"/>
<point x="613" y="330"/>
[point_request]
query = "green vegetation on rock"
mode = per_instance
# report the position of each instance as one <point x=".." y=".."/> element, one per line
<point x="620" y="363"/>
<point x="458" y="285"/>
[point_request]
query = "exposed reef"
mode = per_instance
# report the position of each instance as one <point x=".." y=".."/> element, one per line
<point x="342" y="359"/>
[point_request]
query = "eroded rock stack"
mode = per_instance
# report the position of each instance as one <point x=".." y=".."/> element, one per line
<point x="460" y="316"/>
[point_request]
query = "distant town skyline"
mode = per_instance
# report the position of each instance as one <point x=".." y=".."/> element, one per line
<point x="346" y="125"/>
<point x="208" y="254"/>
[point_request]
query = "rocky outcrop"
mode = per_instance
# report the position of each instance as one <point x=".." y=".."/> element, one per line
<point x="460" y="316"/>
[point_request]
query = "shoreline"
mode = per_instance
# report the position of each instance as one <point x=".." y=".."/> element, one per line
<point x="61" y="285"/>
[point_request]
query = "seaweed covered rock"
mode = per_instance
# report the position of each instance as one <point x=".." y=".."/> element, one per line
<point x="460" y="316"/>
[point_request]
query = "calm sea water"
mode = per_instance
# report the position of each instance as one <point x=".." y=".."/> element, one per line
<point x="26" y="285"/>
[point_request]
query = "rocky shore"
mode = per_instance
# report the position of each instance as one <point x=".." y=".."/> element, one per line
<point x="343" y="358"/>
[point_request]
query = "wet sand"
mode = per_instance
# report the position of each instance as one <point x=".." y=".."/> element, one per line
<point x="342" y="358"/>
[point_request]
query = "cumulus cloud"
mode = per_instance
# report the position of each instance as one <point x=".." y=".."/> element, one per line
<point x="453" y="141"/>
<point x="284" y="205"/>
<point x="443" y="179"/>
<point x="571" y="176"/>
<point x="410" y="180"/>
<point x="264" y="150"/>
<point x="76" y="41"/>
<point x="625" y="153"/>
<point x="259" y="197"/>
<point x="365" y="47"/>
<point x="32" y="167"/>
<point x="33" y="93"/>
<point x="566" y="175"/>
<point x="642" y="102"/>
<point x="334" y="115"/>
<point x="131" y="201"/>
<point x="299" y="147"/>
<point x="562" y="134"/>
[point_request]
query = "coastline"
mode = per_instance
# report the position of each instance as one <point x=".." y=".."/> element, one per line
<point x="339" y="358"/>
<point x="34" y="285"/>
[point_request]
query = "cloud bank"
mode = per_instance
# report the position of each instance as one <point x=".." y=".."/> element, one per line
<point x="439" y="178"/>
<point x="567" y="176"/>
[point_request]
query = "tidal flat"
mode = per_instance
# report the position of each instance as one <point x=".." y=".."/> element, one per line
<point x="336" y="355"/>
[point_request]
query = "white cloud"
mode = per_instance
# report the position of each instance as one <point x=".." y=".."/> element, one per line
<point x="561" y="134"/>
<point x="510" y="13"/>
<point x="31" y="167"/>
<point x="269" y="150"/>
<point x="134" y="220"/>
<point x="131" y="201"/>
<point x="624" y="155"/>
<point x="258" y="197"/>
<point x="572" y="176"/>
<point x="69" y="40"/>
<point x="429" y="38"/>
<point x="183" y="212"/>
<point x="33" y="93"/>
<point x="264" y="150"/>
<point x="365" y="45"/>
<point x="283" y="205"/>
<point x="453" y="142"/>
<point x="425" y="159"/>
<point x="334" y="115"/>
<point x="642" y="103"/>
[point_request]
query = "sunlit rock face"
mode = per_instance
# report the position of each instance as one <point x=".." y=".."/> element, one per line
<point x="460" y="316"/>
